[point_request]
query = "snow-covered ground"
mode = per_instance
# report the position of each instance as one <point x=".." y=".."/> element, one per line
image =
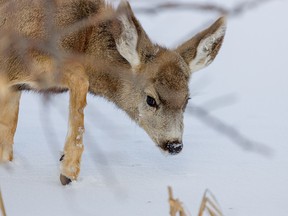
<point x="123" y="173"/>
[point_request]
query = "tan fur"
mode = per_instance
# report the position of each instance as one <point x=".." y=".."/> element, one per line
<point x="87" y="46"/>
<point x="9" y="106"/>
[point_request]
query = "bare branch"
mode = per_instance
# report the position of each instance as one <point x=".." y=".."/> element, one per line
<point x="236" y="10"/>
<point x="181" y="6"/>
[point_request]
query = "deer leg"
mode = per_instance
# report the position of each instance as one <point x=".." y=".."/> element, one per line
<point x="77" y="82"/>
<point x="9" y="108"/>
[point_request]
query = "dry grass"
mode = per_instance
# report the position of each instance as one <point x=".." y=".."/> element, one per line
<point x="175" y="205"/>
<point x="208" y="205"/>
<point x="2" y="207"/>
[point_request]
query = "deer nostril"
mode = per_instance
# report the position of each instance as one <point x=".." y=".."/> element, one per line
<point x="174" y="147"/>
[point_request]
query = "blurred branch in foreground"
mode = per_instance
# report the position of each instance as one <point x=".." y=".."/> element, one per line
<point x="2" y="208"/>
<point x="236" y="10"/>
<point x="230" y="132"/>
<point x="208" y="205"/>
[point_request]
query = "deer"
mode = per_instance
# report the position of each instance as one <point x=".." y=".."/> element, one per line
<point x="89" y="46"/>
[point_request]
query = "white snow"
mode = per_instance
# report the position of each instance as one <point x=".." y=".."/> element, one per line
<point x="123" y="173"/>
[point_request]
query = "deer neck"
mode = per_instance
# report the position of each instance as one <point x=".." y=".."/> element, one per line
<point x="117" y="88"/>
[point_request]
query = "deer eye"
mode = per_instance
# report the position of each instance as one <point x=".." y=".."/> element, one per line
<point x="151" y="101"/>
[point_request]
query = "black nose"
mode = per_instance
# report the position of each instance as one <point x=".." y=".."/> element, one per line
<point x="174" y="147"/>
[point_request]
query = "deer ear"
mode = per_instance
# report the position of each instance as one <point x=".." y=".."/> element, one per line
<point x="127" y="40"/>
<point x="200" y="51"/>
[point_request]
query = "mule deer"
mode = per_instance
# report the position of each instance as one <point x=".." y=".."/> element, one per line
<point x="88" y="46"/>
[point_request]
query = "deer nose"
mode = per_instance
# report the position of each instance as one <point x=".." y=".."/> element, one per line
<point x="174" y="147"/>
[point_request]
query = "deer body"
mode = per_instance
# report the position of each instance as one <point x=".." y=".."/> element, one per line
<point x="87" y="46"/>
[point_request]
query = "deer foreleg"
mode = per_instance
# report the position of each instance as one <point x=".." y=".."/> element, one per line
<point x="78" y="85"/>
<point x="9" y="108"/>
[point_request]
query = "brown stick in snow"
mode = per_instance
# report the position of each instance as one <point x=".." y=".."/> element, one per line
<point x="175" y="205"/>
<point x="2" y="208"/>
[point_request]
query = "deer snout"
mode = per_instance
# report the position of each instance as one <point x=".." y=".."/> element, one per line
<point x="174" y="147"/>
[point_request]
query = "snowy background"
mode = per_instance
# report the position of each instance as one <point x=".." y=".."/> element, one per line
<point x="123" y="173"/>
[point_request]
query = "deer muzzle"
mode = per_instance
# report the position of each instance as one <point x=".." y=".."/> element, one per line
<point x="174" y="147"/>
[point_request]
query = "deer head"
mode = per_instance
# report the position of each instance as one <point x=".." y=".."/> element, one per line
<point x="157" y="104"/>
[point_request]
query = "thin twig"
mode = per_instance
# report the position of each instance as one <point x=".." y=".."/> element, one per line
<point x="175" y="205"/>
<point x="209" y="204"/>
<point x="2" y="207"/>
<point x="237" y="10"/>
<point x="180" y="6"/>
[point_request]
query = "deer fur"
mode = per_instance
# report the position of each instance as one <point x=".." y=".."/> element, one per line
<point x="85" y="46"/>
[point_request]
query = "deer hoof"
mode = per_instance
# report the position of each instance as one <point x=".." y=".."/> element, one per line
<point x="64" y="180"/>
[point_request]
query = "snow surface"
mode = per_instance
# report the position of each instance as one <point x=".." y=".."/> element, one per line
<point x="123" y="173"/>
